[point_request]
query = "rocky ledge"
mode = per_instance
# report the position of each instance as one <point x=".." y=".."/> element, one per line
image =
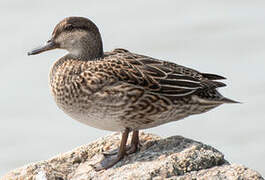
<point x="175" y="158"/>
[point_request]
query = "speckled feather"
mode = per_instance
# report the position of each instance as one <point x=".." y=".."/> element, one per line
<point x="133" y="90"/>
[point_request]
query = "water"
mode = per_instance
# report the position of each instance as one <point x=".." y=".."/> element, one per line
<point x="224" y="37"/>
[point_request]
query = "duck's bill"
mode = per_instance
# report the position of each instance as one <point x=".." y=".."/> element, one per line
<point x="48" y="46"/>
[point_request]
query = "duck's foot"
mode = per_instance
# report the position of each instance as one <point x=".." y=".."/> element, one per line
<point x="132" y="148"/>
<point x="111" y="160"/>
<point x="107" y="162"/>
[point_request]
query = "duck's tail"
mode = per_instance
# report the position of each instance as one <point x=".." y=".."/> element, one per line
<point x="212" y="96"/>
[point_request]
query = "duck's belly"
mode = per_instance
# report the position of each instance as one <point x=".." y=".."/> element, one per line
<point x="115" y="112"/>
<point x="114" y="118"/>
<point x="96" y="115"/>
<point x="120" y="114"/>
<point x="99" y="121"/>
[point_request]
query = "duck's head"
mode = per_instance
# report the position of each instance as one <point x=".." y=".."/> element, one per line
<point x="78" y="35"/>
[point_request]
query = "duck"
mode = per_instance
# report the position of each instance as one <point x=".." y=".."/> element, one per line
<point x="120" y="90"/>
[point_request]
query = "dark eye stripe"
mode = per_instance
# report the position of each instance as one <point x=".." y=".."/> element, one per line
<point x="69" y="28"/>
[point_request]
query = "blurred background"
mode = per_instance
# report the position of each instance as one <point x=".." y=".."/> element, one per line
<point x="224" y="37"/>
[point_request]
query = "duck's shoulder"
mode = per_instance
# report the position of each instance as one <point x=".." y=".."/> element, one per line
<point x="120" y="54"/>
<point x="120" y="50"/>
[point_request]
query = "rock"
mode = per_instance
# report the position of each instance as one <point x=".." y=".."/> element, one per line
<point x="232" y="171"/>
<point x="175" y="158"/>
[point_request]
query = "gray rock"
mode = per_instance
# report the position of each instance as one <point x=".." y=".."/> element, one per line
<point x="175" y="158"/>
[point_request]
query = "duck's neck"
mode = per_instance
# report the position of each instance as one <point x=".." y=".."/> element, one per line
<point x="88" y="48"/>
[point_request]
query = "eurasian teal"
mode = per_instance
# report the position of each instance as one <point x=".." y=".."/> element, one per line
<point x="121" y="90"/>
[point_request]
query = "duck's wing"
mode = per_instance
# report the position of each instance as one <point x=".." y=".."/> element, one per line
<point x="152" y="75"/>
<point x="162" y="77"/>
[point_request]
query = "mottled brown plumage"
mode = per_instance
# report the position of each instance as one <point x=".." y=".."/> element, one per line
<point x="120" y="90"/>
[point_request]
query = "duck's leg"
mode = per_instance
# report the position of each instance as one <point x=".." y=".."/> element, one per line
<point x="110" y="161"/>
<point x="134" y="143"/>
<point x="132" y="148"/>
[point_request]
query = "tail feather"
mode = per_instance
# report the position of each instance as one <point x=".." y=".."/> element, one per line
<point x="217" y="101"/>
<point x="218" y="84"/>
<point x="210" y="84"/>
<point x="213" y="76"/>
<point x="212" y="96"/>
<point x="227" y="100"/>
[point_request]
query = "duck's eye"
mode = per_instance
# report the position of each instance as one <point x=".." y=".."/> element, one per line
<point x="69" y="27"/>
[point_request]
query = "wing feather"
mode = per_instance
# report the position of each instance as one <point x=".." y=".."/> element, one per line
<point x="156" y="76"/>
